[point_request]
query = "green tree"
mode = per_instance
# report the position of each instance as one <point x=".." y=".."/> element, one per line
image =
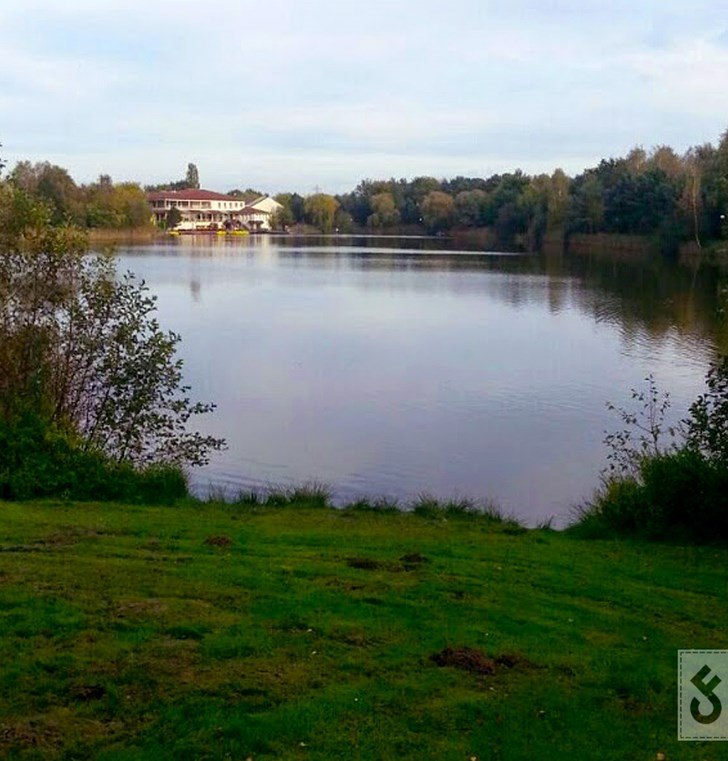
<point x="25" y="177"/>
<point x="81" y="350"/>
<point x="172" y="218"/>
<point x="192" y="178"/>
<point x="470" y="207"/>
<point x="663" y="157"/>
<point x="586" y="207"/>
<point x="54" y="185"/>
<point x="116" y="206"/>
<point x="293" y="204"/>
<point x="320" y="210"/>
<point x="558" y="200"/>
<point x="438" y="211"/>
<point x="707" y="425"/>
<point x="636" y="160"/>
<point x="384" y="211"/>
<point x="343" y="222"/>
<point x="248" y="195"/>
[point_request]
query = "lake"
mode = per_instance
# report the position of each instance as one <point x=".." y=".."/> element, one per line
<point x="397" y="367"/>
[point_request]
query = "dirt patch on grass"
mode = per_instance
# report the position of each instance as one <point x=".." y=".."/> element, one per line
<point x="218" y="541"/>
<point x="414" y="558"/>
<point x="370" y="564"/>
<point x="409" y="562"/>
<point x="477" y="662"/>
<point x="69" y="535"/>
<point x="365" y="564"/>
<point x="133" y="608"/>
<point x="30" y="733"/>
<point x="87" y="692"/>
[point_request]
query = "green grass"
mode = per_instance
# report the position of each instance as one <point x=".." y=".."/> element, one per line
<point x="296" y="631"/>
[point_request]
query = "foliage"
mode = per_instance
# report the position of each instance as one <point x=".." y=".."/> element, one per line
<point x="292" y="212"/>
<point x="172" y="218"/>
<point x="677" y="495"/>
<point x="707" y="427"/>
<point x="667" y="197"/>
<point x="644" y="432"/>
<point x="674" y="490"/>
<point x="53" y="185"/>
<point x="39" y="459"/>
<point x="384" y="211"/>
<point x="81" y="349"/>
<point x="191" y="180"/>
<point x="320" y="210"/>
<point x="193" y="177"/>
<point x="438" y="211"/>
<point x="248" y="195"/>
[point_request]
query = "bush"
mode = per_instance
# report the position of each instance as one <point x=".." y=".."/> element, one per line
<point x="679" y="495"/>
<point x="39" y="461"/>
<point x="707" y="427"/>
<point x="673" y="491"/>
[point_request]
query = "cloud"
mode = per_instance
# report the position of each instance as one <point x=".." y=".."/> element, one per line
<point x="690" y="77"/>
<point x="332" y="89"/>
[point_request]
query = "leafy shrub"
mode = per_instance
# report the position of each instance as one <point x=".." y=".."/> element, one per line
<point x="38" y="460"/>
<point x="678" y="490"/>
<point x="707" y="427"/>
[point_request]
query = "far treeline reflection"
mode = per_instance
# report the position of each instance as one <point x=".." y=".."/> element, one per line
<point x="637" y="290"/>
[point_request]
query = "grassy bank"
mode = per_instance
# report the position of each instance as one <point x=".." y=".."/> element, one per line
<point x="123" y="237"/>
<point x="301" y="632"/>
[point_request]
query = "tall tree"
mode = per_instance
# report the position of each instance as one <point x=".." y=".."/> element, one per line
<point x="193" y="177"/>
<point x="438" y="211"/>
<point x="320" y="211"/>
<point x="470" y="207"/>
<point x="558" y="200"/>
<point x="384" y="211"/>
<point x="81" y="350"/>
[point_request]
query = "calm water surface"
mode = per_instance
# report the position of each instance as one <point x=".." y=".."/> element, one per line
<point x="396" y="367"/>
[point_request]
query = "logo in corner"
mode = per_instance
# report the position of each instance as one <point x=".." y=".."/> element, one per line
<point x="702" y="695"/>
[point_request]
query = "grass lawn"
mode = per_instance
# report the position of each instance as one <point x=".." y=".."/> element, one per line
<point x="296" y="632"/>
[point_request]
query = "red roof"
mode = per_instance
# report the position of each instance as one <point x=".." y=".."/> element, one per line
<point x="189" y="195"/>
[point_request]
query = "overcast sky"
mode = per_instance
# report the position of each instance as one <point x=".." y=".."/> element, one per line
<point x="307" y="94"/>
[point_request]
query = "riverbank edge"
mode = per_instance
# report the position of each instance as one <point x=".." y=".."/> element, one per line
<point x="554" y="242"/>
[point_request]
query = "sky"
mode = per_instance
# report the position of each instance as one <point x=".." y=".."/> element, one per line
<point x="316" y="95"/>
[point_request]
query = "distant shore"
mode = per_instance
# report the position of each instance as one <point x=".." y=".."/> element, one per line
<point x="109" y="237"/>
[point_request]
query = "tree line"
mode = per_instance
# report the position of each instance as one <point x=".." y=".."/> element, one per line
<point x="659" y="193"/>
<point x="655" y="193"/>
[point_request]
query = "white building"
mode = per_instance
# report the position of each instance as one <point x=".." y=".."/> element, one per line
<point x="203" y="210"/>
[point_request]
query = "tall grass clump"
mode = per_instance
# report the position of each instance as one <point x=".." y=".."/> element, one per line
<point x="308" y="494"/>
<point x="666" y="482"/>
<point x="382" y="505"/>
<point x="427" y="506"/>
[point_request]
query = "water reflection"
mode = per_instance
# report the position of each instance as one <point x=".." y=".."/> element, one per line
<point x="395" y="370"/>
